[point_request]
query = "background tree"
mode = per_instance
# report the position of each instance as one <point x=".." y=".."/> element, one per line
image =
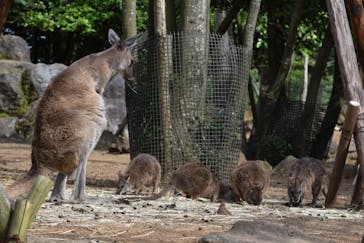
<point x="4" y="8"/>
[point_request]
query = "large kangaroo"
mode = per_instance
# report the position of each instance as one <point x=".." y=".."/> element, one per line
<point x="71" y="117"/>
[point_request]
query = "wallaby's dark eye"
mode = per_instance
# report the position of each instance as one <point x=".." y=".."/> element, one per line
<point x="131" y="63"/>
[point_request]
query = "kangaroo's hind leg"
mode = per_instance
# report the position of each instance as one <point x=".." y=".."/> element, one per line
<point x="58" y="193"/>
<point x="79" y="193"/>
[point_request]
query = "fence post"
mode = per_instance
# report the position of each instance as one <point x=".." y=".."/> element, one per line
<point x="4" y="213"/>
<point x="342" y="151"/>
<point x="27" y="208"/>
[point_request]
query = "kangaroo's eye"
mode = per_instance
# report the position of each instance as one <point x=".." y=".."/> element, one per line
<point x="131" y="62"/>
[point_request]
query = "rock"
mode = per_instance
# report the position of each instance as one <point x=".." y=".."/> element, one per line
<point x="283" y="168"/>
<point x="16" y="90"/>
<point x="14" y="48"/>
<point x="112" y="138"/>
<point x="22" y="84"/>
<point x="114" y="96"/>
<point x="42" y="74"/>
<point x="7" y="127"/>
<point x="258" y="231"/>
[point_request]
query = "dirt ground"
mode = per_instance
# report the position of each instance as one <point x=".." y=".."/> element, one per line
<point x="113" y="218"/>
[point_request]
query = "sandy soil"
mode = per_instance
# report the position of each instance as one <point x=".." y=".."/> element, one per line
<point x="113" y="218"/>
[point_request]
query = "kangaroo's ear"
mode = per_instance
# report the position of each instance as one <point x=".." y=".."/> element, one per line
<point x="130" y="41"/>
<point x="113" y="37"/>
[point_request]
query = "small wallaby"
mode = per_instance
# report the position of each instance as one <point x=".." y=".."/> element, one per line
<point x="71" y="117"/>
<point x="194" y="180"/>
<point x="143" y="171"/>
<point x="306" y="174"/>
<point x="249" y="181"/>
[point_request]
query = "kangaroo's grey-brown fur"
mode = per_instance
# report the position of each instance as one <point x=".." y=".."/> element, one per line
<point x="71" y="117"/>
<point x="143" y="171"/>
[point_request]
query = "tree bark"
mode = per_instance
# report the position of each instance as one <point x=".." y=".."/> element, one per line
<point x="268" y="97"/>
<point x="164" y="68"/>
<point x="342" y="151"/>
<point x="355" y="11"/>
<point x="171" y="21"/>
<point x="305" y="78"/>
<point x="129" y="26"/>
<point x="4" y="8"/>
<point x="224" y="26"/>
<point x="352" y="82"/>
<point x="320" y="144"/>
<point x="313" y="87"/>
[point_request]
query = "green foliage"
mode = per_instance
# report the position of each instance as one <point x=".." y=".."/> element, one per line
<point x="82" y="16"/>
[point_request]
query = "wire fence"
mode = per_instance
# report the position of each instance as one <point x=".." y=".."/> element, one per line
<point x="187" y="105"/>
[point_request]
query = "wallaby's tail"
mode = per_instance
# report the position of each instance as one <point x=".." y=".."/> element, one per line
<point x="162" y="193"/>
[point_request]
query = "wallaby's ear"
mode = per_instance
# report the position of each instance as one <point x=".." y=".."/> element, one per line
<point x="113" y="37"/>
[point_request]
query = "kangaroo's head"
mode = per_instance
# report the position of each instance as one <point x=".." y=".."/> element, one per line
<point x="122" y="59"/>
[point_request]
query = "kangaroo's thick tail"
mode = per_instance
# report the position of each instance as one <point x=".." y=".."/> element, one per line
<point x="23" y="186"/>
<point x="169" y="187"/>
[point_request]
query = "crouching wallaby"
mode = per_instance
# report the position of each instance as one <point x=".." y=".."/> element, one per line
<point x="143" y="171"/>
<point x="194" y="180"/>
<point x="249" y="181"/>
<point x="306" y="174"/>
<point x="71" y="117"/>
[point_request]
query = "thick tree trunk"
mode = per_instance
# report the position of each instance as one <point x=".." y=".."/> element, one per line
<point x="320" y="144"/>
<point x="128" y="18"/>
<point x="171" y="21"/>
<point x="164" y="68"/>
<point x="194" y="55"/>
<point x="352" y="84"/>
<point x="4" y="8"/>
<point x="269" y="95"/>
<point x="355" y="11"/>
<point x="313" y="88"/>
<point x="190" y="97"/>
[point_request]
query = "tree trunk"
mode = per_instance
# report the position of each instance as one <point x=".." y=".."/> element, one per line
<point x="171" y="21"/>
<point x="352" y="84"/>
<point x="320" y="144"/>
<point x="309" y="110"/>
<point x="355" y="11"/>
<point x="194" y="56"/>
<point x="248" y="40"/>
<point x="305" y="78"/>
<point x="128" y="19"/>
<point x="269" y="97"/>
<point x="224" y="25"/>
<point x="164" y="68"/>
<point x="4" y="8"/>
<point x="190" y="97"/>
